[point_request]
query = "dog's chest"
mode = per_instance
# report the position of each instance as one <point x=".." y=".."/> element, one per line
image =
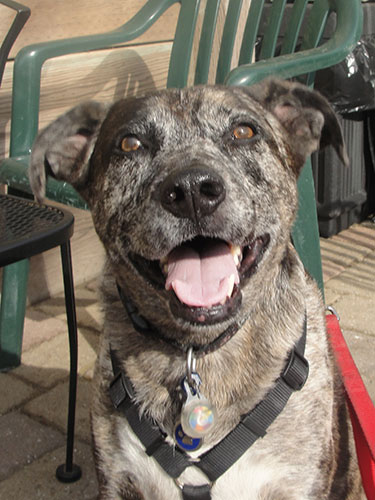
<point x="248" y="478"/>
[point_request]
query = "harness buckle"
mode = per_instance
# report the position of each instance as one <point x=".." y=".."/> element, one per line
<point x="296" y="371"/>
<point x="120" y="390"/>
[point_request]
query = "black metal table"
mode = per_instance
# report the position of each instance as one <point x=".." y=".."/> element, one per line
<point x="27" y="229"/>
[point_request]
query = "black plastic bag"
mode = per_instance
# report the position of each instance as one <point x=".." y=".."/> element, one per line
<point x="350" y="85"/>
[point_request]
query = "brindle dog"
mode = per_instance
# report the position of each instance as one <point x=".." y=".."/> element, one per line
<point x="193" y="194"/>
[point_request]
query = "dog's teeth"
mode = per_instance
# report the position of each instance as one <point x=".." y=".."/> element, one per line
<point x="236" y="252"/>
<point x="164" y="261"/>
<point x="230" y="285"/>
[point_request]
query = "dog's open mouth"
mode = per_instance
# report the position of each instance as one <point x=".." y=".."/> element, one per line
<point x="204" y="276"/>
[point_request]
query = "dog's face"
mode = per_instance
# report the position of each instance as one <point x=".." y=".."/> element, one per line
<point x="192" y="192"/>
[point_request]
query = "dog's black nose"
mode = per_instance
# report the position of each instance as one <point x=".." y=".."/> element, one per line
<point x="192" y="192"/>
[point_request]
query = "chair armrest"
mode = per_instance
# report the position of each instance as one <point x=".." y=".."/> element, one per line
<point x="29" y="61"/>
<point x="13" y="171"/>
<point x="347" y="33"/>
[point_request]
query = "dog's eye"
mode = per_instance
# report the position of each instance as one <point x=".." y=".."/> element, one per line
<point x="243" y="132"/>
<point x="130" y="143"/>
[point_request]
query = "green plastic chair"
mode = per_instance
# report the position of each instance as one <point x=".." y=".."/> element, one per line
<point x="289" y="62"/>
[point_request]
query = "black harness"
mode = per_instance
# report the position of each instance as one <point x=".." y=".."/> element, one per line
<point x="222" y="456"/>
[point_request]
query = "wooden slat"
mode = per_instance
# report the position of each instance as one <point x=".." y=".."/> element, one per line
<point x="54" y="20"/>
<point x="106" y="75"/>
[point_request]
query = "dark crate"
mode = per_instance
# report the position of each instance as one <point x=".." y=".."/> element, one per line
<point x="340" y="191"/>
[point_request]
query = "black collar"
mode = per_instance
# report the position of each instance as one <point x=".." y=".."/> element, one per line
<point x="223" y="455"/>
<point x="141" y="325"/>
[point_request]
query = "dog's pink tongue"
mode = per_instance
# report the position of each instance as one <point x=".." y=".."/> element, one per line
<point x="202" y="279"/>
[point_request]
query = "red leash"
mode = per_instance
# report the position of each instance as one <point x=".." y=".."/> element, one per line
<point x="362" y="411"/>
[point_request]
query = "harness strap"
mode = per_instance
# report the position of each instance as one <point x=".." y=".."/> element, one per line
<point x="254" y="424"/>
<point x="221" y="457"/>
<point x="172" y="460"/>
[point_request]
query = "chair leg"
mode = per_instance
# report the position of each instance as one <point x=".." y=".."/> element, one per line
<point x="306" y="230"/>
<point x="12" y="313"/>
<point x="70" y="472"/>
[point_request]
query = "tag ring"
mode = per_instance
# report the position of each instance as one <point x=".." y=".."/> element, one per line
<point x="191" y="363"/>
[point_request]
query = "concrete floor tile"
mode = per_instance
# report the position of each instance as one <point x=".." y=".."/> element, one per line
<point x="357" y="280"/>
<point x="330" y="296"/>
<point x="357" y="313"/>
<point x="89" y="313"/>
<point x="52" y="407"/>
<point x="88" y="346"/>
<point x="54" y="307"/>
<point x="331" y="269"/>
<point x="23" y="440"/>
<point x="90" y="316"/>
<point x="93" y="285"/>
<point x="40" y="327"/>
<point x="347" y="248"/>
<point x="48" y="363"/>
<point x="362" y="348"/>
<point x="37" y="481"/>
<point x="13" y="392"/>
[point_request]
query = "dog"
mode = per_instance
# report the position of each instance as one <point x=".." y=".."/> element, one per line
<point x="208" y="309"/>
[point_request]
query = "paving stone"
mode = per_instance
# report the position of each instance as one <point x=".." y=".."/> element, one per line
<point x="48" y="363"/>
<point x="357" y="313"/>
<point x="23" y="440"/>
<point x="362" y="348"/>
<point x="13" y="392"/>
<point x="346" y="248"/>
<point x="53" y="406"/>
<point x="330" y="296"/>
<point x="358" y="280"/>
<point x="54" y="307"/>
<point x="88" y="310"/>
<point x="330" y="269"/>
<point x="93" y="285"/>
<point x="37" y="481"/>
<point x="90" y="316"/>
<point x="39" y="327"/>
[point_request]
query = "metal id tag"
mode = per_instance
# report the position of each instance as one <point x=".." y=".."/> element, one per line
<point x="197" y="413"/>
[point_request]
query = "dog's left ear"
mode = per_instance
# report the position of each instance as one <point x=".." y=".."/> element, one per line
<point x="64" y="147"/>
<point x="305" y="114"/>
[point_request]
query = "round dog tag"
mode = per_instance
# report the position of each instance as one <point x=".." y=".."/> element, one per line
<point x="185" y="442"/>
<point x="197" y="417"/>
<point x="197" y="412"/>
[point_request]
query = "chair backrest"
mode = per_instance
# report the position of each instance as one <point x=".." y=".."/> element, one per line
<point x="216" y="29"/>
<point x="22" y="15"/>
<point x="260" y="37"/>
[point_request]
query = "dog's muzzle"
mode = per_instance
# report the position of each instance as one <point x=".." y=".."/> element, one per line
<point x="203" y="275"/>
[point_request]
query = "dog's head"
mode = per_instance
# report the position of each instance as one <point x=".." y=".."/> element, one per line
<point x="192" y="192"/>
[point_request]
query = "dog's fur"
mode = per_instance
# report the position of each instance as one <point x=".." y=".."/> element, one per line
<point x="308" y="452"/>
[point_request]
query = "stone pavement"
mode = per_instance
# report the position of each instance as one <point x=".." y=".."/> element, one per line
<point x="33" y="401"/>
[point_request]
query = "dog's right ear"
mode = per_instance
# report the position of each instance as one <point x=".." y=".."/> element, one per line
<point x="64" y="147"/>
